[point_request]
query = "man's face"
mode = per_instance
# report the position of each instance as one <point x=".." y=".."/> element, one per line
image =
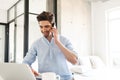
<point x="45" y="27"/>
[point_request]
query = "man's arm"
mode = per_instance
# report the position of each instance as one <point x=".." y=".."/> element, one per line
<point x="70" y="55"/>
<point x="30" y="58"/>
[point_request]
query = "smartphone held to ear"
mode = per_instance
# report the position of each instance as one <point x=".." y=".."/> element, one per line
<point x="53" y="25"/>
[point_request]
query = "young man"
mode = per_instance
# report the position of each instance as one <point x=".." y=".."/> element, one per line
<point x="52" y="49"/>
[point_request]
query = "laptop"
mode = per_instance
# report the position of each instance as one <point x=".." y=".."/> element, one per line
<point x="14" y="71"/>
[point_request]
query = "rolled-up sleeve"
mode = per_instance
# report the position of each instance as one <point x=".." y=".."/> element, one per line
<point x="30" y="56"/>
<point x="68" y="45"/>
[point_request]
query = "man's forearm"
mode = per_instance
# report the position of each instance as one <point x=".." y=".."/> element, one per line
<point x="70" y="56"/>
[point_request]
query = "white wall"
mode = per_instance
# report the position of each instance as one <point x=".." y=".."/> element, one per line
<point x="99" y="29"/>
<point x="75" y="23"/>
<point x="3" y="16"/>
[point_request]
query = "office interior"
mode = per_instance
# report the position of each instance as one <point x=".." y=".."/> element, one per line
<point x="91" y="25"/>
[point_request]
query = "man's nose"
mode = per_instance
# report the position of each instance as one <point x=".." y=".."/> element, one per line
<point x="44" y="29"/>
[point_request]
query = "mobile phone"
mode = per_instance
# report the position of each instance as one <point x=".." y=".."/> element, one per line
<point x="53" y="25"/>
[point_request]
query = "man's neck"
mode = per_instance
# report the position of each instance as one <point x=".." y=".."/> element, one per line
<point x="49" y="38"/>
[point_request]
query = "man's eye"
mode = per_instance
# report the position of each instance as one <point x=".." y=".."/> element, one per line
<point x="47" y="26"/>
<point x="41" y="26"/>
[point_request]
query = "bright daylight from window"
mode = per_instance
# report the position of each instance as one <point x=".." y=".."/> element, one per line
<point x="114" y="38"/>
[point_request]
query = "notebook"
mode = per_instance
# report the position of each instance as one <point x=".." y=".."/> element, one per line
<point x="14" y="71"/>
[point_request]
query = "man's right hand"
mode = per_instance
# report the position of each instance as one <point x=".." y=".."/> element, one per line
<point x="35" y="72"/>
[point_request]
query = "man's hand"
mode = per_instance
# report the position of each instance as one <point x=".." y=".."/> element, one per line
<point x="35" y="72"/>
<point x="55" y="33"/>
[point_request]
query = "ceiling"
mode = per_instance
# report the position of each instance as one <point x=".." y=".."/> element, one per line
<point x="6" y="4"/>
<point x="97" y="0"/>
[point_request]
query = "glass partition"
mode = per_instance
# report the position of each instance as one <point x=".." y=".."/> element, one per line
<point x="12" y="42"/>
<point x="16" y="32"/>
<point x="2" y="42"/>
<point x="20" y="8"/>
<point x="19" y="39"/>
<point x="16" y="40"/>
<point x="36" y="6"/>
<point x="11" y="14"/>
<point x="34" y="30"/>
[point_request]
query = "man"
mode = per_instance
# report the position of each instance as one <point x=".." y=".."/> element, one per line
<point x="52" y="49"/>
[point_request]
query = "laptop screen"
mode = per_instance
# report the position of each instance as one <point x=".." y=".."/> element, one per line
<point x="14" y="71"/>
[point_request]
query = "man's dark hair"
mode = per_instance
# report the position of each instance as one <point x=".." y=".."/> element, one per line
<point x="46" y="16"/>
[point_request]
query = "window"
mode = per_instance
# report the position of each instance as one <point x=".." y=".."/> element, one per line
<point x="113" y="22"/>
